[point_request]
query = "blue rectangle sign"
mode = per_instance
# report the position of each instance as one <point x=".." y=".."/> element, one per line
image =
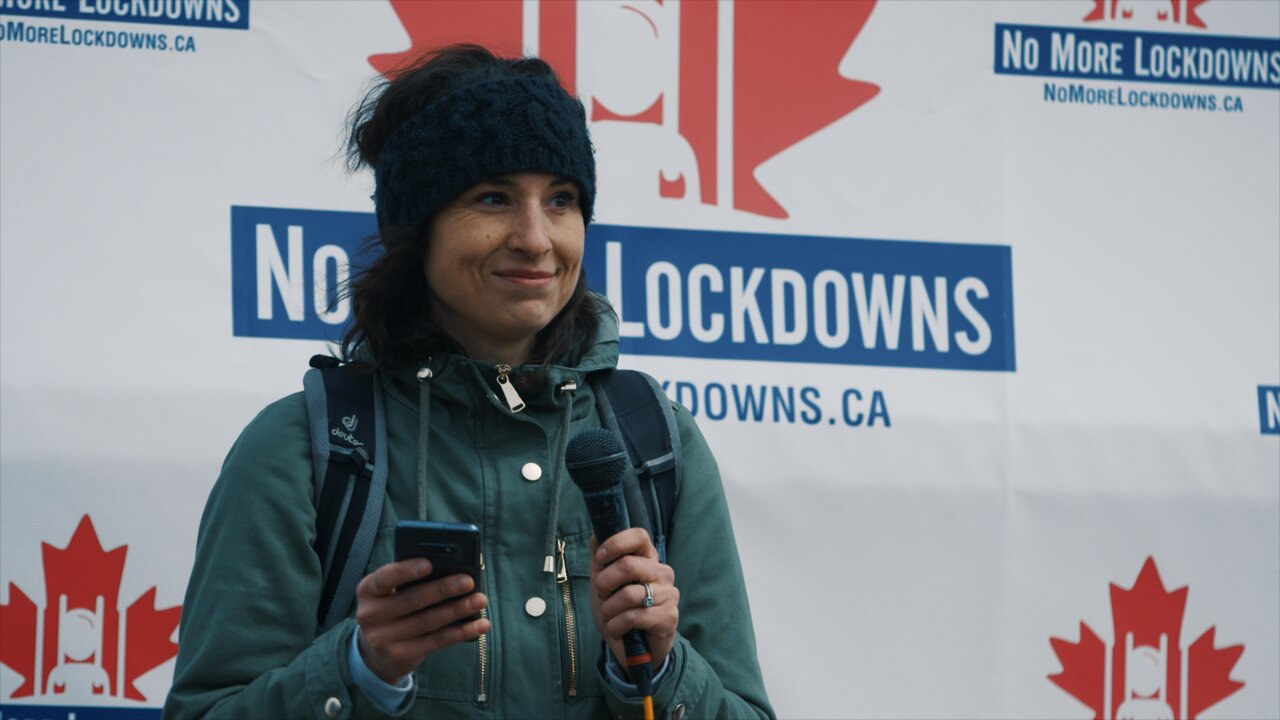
<point x="788" y="298"/>
<point x="1065" y="52"/>
<point x="1269" y="409"/>
<point x="76" y="712"/>
<point x="287" y="267"/>
<point x="227" y="14"/>
<point x="691" y="293"/>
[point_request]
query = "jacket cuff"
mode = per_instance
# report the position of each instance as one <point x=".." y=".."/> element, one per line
<point x="391" y="699"/>
<point x="616" y="678"/>
<point x="331" y="691"/>
<point x="683" y="684"/>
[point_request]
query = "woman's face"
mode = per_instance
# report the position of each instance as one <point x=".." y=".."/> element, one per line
<point x="502" y="260"/>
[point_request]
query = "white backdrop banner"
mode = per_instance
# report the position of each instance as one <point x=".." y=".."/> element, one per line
<point x="978" y="305"/>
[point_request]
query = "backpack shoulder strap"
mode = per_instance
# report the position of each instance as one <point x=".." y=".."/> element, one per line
<point x="349" y="463"/>
<point x="633" y="404"/>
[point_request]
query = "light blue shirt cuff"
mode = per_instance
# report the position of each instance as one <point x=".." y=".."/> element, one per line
<point x="616" y="677"/>
<point x="391" y="699"/>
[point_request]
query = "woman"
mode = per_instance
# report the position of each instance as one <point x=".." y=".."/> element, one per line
<point x="485" y="184"/>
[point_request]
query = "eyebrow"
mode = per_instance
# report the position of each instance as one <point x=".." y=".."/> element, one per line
<point x="507" y="182"/>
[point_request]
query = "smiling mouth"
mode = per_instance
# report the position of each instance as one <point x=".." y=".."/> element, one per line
<point x="526" y="274"/>
<point x="526" y="278"/>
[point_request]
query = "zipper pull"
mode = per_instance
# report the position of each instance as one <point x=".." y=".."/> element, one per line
<point x="563" y="574"/>
<point x="481" y="562"/>
<point x="508" y="390"/>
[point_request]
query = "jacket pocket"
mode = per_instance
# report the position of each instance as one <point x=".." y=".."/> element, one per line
<point x="579" y="640"/>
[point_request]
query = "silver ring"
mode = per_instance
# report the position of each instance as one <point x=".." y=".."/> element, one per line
<point x="648" y="595"/>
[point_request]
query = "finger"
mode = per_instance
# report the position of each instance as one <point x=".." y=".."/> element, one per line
<point x="631" y="569"/>
<point x="414" y="626"/>
<point x="407" y="654"/>
<point x="407" y="601"/>
<point x="662" y="620"/>
<point x="387" y="578"/>
<point x="437" y="591"/>
<point x="632" y="541"/>
<point x="451" y="635"/>
<point x="437" y="617"/>
<point x="412" y="599"/>
<point x="633" y="596"/>
<point x="623" y="571"/>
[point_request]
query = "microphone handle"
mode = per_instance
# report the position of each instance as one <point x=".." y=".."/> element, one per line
<point x="608" y="511"/>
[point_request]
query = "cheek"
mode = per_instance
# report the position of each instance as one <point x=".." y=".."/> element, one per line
<point x="445" y="278"/>
<point x="572" y="260"/>
<point x="572" y="249"/>
<point x="446" y="264"/>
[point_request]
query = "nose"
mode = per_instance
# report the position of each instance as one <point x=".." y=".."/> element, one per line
<point x="531" y="231"/>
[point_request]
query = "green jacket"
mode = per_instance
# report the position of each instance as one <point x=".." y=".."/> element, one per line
<point x="248" y="647"/>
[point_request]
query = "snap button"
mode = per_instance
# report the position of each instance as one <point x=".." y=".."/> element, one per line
<point x="531" y="471"/>
<point x="332" y="707"/>
<point x="678" y="713"/>
<point x="535" y="606"/>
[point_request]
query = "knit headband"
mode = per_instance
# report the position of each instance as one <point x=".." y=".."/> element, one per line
<point x="478" y="133"/>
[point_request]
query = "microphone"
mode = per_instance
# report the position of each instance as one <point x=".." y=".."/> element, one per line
<point x="597" y="463"/>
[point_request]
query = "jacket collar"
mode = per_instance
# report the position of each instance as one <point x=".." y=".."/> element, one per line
<point x="462" y="378"/>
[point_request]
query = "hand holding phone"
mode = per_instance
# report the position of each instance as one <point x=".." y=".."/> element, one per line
<point x="401" y="622"/>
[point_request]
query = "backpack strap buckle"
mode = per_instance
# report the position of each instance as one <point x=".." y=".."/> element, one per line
<point x="655" y="467"/>
<point x="358" y="458"/>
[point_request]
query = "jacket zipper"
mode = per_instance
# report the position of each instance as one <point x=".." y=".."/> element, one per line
<point x="482" y="651"/>
<point x="570" y="622"/>
<point x="508" y="390"/>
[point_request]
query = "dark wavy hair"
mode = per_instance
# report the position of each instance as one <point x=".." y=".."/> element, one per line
<point x="391" y="315"/>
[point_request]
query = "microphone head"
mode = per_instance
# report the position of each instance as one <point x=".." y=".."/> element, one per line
<point x="596" y="459"/>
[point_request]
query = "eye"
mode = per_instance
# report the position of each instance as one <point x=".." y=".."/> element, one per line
<point x="492" y="198"/>
<point x="564" y="200"/>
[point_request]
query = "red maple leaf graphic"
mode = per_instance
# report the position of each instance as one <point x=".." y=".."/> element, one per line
<point x="1210" y="671"/>
<point x="1147" y="618"/>
<point x="786" y="80"/>
<point x="18" y="638"/>
<point x="495" y="24"/>
<point x="1106" y="10"/>
<point x="1081" y="668"/>
<point x="83" y="581"/>
<point x="786" y="85"/>
<point x="147" y="639"/>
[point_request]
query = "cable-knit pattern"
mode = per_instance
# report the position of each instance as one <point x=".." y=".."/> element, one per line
<point x="477" y="133"/>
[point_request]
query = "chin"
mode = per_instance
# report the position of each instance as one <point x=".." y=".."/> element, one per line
<point x="521" y="326"/>
<point x="534" y="316"/>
